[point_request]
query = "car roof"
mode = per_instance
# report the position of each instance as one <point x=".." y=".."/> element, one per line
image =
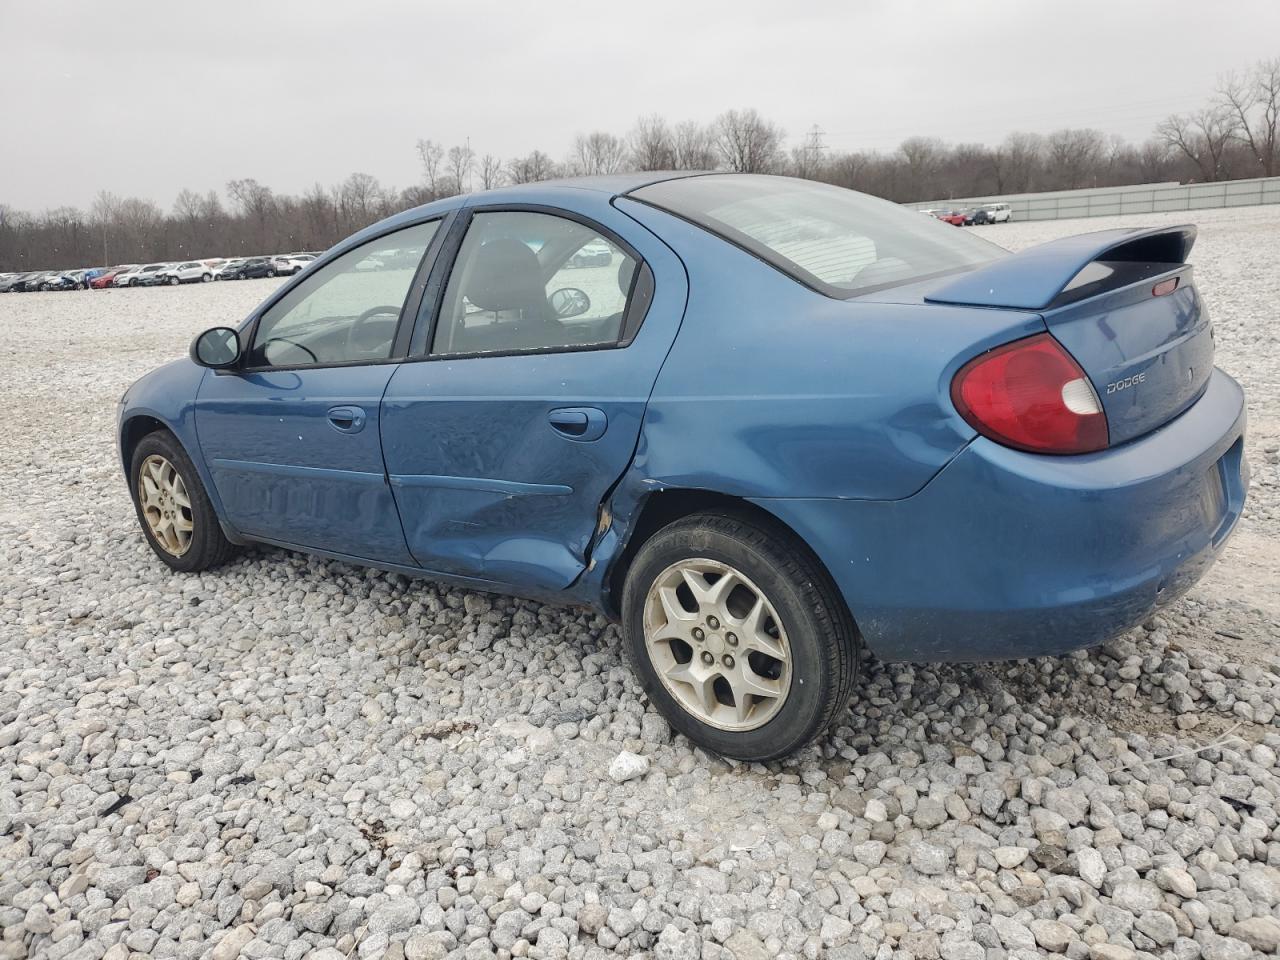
<point x="542" y="191"/>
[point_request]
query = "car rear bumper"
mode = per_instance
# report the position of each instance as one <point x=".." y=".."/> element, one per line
<point x="1006" y="554"/>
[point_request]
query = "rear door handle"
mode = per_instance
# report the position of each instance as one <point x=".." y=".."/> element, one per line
<point x="578" y="423"/>
<point x="347" y="418"/>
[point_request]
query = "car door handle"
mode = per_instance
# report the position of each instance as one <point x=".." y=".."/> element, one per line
<point x="578" y="423"/>
<point x="346" y="418"/>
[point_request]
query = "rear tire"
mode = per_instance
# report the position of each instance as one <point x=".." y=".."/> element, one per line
<point x="186" y="536"/>
<point x="780" y="627"/>
<point x="174" y="281"/>
<point x="205" y="278"/>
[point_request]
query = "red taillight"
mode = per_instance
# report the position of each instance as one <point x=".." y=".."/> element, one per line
<point x="1032" y="395"/>
<point x="1165" y="287"/>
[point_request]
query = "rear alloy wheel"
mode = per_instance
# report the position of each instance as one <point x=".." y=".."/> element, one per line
<point x="730" y="680"/>
<point x="205" y="278"/>
<point x="175" y="513"/>
<point x="173" y="281"/>
<point x="738" y="635"/>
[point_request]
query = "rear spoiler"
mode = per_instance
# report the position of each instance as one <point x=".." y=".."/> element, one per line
<point x="1034" y="278"/>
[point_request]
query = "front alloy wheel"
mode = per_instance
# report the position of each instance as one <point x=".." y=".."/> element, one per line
<point x="175" y="513"/>
<point x="166" y="508"/>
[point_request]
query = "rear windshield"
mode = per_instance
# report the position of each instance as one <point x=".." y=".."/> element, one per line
<point x="836" y="241"/>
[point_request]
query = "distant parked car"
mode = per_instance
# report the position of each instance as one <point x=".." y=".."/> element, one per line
<point x="253" y="268"/>
<point x="193" y="271"/>
<point x="13" y="283"/>
<point x="288" y="264"/>
<point x="953" y="217"/>
<point x="36" y="281"/>
<point x="998" y="212"/>
<point x="71" y="280"/>
<point x="592" y="255"/>
<point x="127" y="277"/>
<point x="107" y="277"/>
<point x="150" y="275"/>
<point x="227" y="269"/>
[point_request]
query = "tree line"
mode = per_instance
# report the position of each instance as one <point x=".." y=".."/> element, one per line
<point x="1235" y="134"/>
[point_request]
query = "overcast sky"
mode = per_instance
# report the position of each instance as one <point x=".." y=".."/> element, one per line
<point x="144" y="98"/>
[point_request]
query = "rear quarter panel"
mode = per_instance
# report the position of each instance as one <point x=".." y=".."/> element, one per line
<point x="774" y="390"/>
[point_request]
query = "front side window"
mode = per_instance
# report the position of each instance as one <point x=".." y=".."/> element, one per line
<point x="348" y="310"/>
<point x="837" y="241"/>
<point x="533" y="281"/>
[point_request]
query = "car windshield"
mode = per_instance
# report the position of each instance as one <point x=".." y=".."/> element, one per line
<point x="834" y="240"/>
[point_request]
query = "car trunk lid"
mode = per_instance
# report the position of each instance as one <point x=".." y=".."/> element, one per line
<point x="1124" y="305"/>
<point x="1147" y="346"/>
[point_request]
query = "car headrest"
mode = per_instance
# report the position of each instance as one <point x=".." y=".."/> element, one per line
<point x="506" y="276"/>
<point x="625" y="271"/>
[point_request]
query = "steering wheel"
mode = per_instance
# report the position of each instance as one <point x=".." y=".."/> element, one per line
<point x="293" y="343"/>
<point x="353" y="334"/>
<point x="373" y="312"/>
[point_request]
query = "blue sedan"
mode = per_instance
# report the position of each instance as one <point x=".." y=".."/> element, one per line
<point x="767" y="424"/>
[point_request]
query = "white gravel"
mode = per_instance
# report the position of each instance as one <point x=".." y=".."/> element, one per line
<point x="297" y="758"/>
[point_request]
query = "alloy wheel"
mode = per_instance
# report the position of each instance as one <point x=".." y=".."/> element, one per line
<point x="165" y="505"/>
<point x="717" y="644"/>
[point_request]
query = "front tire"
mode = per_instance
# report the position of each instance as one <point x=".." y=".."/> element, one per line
<point x="173" y="281"/>
<point x="173" y="509"/>
<point x="205" y="278"/>
<point x="738" y="635"/>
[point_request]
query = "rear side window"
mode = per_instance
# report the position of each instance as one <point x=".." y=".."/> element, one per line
<point x="838" y="242"/>
<point x="534" y="281"/>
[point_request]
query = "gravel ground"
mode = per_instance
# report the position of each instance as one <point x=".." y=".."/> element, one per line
<point x="297" y="758"/>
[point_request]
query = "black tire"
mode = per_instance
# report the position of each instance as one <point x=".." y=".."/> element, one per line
<point x="823" y="639"/>
<point x="271" y="272"/>
<point x="208" y="547"/>
<point x="174" y="281"/>
<point x="205" y="278"/>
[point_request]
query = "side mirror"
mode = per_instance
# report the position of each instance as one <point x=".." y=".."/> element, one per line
<point x="570" y="302"/>
<point x="217" y="349"/>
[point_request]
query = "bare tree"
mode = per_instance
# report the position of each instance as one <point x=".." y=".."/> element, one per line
<point x="747" y="142"/>
<point x="1016" y="162"/>
<point x="490" y="172"/>
<point x="358" y="199"/>
<point x="257" y="203"/>
<point x="532" y="168"/>
<point x="103" y="213"/>
<point x="924" y="157"/>
<point x="652" y="144"/>
<point x="598" y="153"/>
<point x="1153" y="161"/>
<point x="694" y="146"/>
<point x="1253" y="100"/>
<point x="431" y="154"/>
<point x="1073" y="157"/>
<point x="461" y="161"/>
<point x="1202" y="137"/>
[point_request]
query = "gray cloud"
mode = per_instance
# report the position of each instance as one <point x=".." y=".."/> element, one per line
<point x="148" y="97"/>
